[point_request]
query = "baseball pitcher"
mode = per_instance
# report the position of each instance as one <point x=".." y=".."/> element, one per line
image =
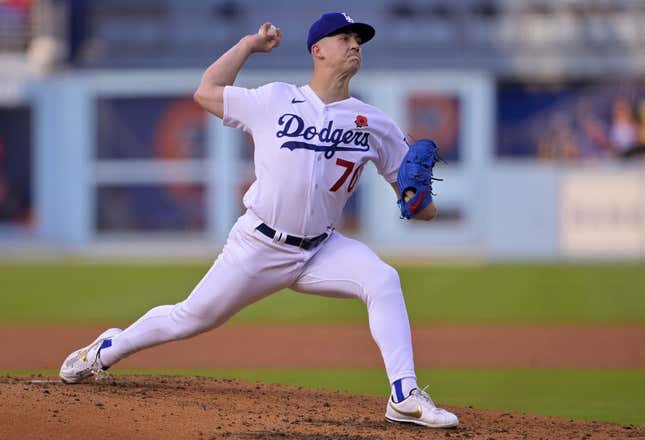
<point x="311" y="144"/>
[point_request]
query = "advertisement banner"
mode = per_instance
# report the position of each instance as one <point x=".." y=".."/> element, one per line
<point x="603" y="214"/>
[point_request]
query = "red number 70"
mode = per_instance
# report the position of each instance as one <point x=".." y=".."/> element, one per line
<point x="349" y="166"/>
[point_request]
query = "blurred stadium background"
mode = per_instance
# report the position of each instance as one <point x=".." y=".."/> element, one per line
<point x="538" y="105"/>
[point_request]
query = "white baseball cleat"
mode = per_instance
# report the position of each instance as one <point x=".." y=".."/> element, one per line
<point x="86" y="361"/>
<point x="419" y="408"/>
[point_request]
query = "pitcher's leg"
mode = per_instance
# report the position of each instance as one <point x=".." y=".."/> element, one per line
<point x="246" y="271"/>
<point x="224" y="290"/>
<point x="348" y="268"/>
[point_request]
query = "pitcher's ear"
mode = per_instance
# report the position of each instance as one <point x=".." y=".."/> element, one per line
<point x="315" y="51"/>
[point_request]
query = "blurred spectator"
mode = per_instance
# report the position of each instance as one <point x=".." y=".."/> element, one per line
<point x="624" y="127"/>
<point x="640" y="148"/>
<point x="558" y="142"/>
<point x="564" y="121"/>
<point x="593" y="140"/>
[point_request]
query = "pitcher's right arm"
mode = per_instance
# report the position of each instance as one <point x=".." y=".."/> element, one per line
<point x="210" y="93"/>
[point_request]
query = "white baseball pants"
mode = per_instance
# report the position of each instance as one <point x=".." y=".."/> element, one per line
<point x="253" y="266"/>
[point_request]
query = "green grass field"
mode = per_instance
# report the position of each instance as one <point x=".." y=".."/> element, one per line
<point x="111" y="293"/>
<point x="82" y="293"/>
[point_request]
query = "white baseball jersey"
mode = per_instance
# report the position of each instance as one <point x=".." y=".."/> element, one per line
<point x="309" y="155"/>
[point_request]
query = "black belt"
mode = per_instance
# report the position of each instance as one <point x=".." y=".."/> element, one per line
<point x="301" y="242"/>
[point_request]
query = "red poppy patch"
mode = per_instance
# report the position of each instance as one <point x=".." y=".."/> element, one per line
<point x="361" y="121"/>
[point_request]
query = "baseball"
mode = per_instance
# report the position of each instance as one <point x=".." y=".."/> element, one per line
<point x="272" y="30"/>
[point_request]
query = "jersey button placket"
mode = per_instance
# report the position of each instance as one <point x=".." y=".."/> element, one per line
<point x="314" y="169"/>
<point x="325" y="119"/>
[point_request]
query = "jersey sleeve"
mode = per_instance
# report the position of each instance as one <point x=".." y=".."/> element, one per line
<point x="245" y="108"/>
<point x="393" y="149"/>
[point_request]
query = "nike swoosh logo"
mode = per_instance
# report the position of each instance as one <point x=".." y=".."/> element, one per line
<point x="416" y="414"/>
<point x="296" y="101"/>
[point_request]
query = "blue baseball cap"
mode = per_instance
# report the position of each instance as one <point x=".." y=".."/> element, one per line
<point x="333" y="22"/>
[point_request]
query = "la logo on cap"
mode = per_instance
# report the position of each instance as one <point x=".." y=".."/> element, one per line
<point x="348" y="18"/>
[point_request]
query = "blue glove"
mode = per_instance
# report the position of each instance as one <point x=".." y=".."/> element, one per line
<point x="415" y="174"/>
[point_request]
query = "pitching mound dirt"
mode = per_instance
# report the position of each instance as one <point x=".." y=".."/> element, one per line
<point x="145" y="407"/>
